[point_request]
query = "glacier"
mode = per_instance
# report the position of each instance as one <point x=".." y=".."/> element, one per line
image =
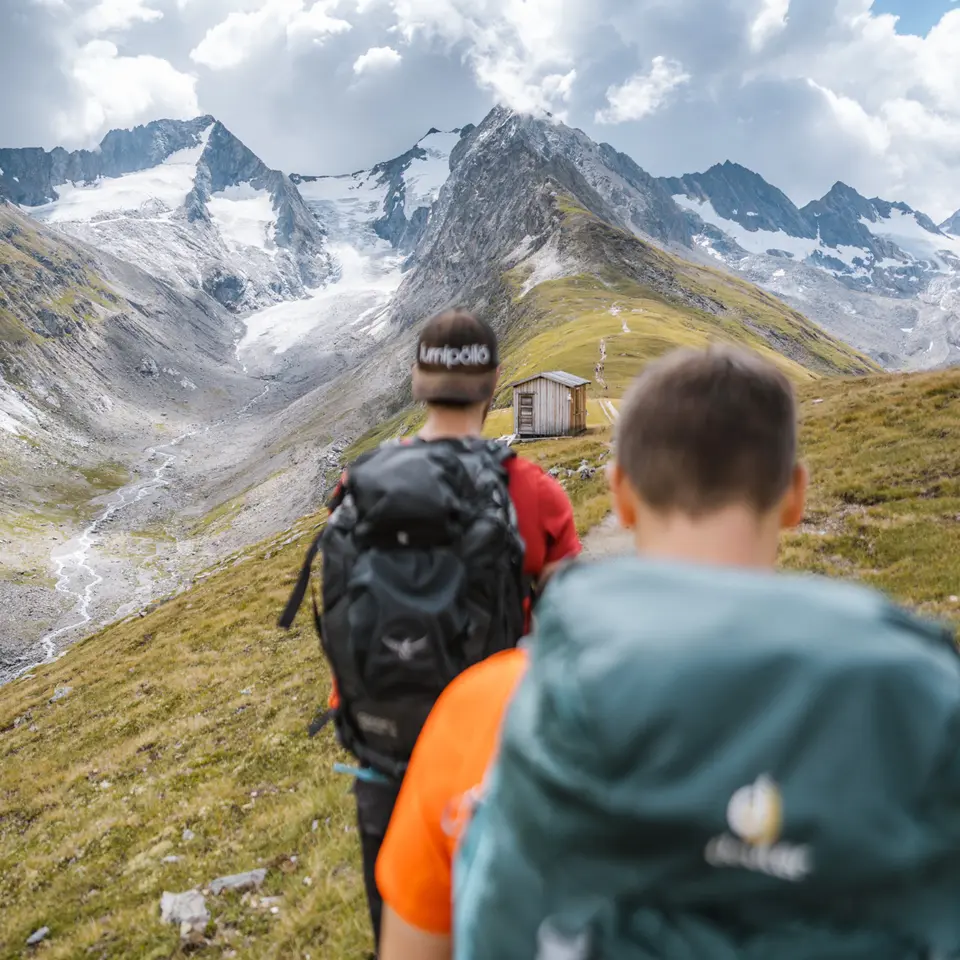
<point x="368" y="268"/>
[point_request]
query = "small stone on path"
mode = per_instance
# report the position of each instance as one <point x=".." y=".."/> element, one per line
<point x="38" y="937"/>
<point x="184" y="909"/>
<point x="251" y="880"/>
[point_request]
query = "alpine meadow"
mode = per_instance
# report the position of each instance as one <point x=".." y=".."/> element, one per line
<point x="199" y="334"/>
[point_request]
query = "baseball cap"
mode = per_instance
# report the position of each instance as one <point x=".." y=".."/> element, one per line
<point x="456" y="353"/>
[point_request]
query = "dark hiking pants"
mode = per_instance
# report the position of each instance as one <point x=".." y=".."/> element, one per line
<point x="375" y="802"/>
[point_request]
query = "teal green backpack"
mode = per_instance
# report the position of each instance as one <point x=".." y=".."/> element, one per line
<point x="718" y="764"/>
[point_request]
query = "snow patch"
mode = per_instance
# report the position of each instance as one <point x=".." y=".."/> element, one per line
<point x="753" y="241"/>
<point x="425" y="177"/>
<point x="546" y="264"/>
<point x="916" y="241"/>
<point x="366" y="283"/>
<point x="245" y="218"/>
<point x="14" y="413"/>
<point x="855" y="260"/>
<point x="348" y="206"/>
<point x="152" y="193"/>
<point x="521" y="250"/>
<point x="359" y="198"/>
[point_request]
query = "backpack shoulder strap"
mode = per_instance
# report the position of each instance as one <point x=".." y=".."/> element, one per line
<point x="498" y="451"/>
<point x="300" y="588"/>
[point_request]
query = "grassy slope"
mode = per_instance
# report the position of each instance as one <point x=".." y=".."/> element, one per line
<point x="884" y="454"/>
<point x="158" y="734"/>
<point x="176" y="720"/>
<point x="38" y="272"/>
<point x="664" y="301"/>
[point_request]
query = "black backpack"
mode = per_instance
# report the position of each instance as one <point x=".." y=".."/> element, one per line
<point x="422" y="578"/>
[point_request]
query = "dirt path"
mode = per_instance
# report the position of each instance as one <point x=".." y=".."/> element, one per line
<point x="607" y="539"/>
<point x="598" y="369"/>
<point x="609" y="410"/>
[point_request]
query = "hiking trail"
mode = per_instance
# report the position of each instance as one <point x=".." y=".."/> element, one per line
<point x="607" y="539"/>
<point x="598" y="369"/>
<point x="609" y="410"/>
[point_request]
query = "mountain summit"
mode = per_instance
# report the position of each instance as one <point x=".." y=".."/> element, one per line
<point x="395" y="196"/>
<point x="184" y="200"/>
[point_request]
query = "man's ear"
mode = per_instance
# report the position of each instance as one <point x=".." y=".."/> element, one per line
<point x="624" y="499"/>
<point x="795" y="500"/>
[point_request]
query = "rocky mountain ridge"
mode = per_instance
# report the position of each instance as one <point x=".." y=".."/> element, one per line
<point x="398" y="193"/>
<point x="878" y="273"/>
<point x="184" y="200"/>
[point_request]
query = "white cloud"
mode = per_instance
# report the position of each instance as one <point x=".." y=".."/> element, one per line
<point x="376" y="59"/>
<point x="805" y="92"/>
<point x="522" y="51"/>
<point x="771" y="20"/>
<point x="855" y="121"/>
<point x="644" y="93"/>
<point x="243" y="34"/>
<point x="118" y="15"/>
<point x="118" y="91"/>
<point x="894" y="97"/>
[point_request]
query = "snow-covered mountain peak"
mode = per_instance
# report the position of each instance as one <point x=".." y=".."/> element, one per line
<point x="186" y="201"/>
<point x="731" y="192"/>
<point x="393" y="197"/>
<point x="871" y="244"/>
<point x="952" y="225"/>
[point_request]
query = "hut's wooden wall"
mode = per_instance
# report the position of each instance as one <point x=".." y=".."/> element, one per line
<point x="551" y="408"/>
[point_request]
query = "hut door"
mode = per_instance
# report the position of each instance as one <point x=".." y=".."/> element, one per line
<point x="576" y="410"/>
<point x="525" y="418"/>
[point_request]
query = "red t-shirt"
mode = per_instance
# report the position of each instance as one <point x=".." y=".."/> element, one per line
<point x="545" y="519"/>
<point x="544" y="515"/>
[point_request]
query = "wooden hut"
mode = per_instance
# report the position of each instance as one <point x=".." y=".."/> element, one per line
<point x="552" y="404"/>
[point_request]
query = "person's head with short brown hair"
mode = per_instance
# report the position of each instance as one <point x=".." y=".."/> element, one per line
<point x="455" y="372"/>
<point x="706" y="457"/>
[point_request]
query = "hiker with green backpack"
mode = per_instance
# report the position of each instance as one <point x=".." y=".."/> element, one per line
<point x="698" y="757"/>
<point x="431" y="558"/>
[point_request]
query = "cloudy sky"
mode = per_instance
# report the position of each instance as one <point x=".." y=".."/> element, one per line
<point x="805" y="92"/>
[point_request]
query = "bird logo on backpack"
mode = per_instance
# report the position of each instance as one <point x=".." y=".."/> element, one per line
<point x="755" y="817"/>
<point x="755" y="813"/>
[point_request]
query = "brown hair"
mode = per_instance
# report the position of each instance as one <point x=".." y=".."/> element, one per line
<point x="703" y="429"/>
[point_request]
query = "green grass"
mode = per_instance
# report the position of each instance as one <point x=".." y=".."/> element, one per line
<point x="158" y="708"/>
<point x="405" y="423"/>
<point x="579" y="312"/>
<point x="221" y="517"/>
<point x="105" y="477"/>
<point x="177" y="719"/>
<point x="663" y="301"/>
<point x="40" y="272"/>
<point x="884" y="455"/>
<point x="179" y="751"/>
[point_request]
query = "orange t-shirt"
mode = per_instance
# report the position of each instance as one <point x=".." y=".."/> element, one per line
<point x="449" y="761"/>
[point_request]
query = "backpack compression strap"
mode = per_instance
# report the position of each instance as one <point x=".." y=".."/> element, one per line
<point x="300" y="589"/>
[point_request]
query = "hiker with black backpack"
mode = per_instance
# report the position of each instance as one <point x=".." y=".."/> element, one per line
<point x="694" y="756"/>
<point x="431" y="558"/>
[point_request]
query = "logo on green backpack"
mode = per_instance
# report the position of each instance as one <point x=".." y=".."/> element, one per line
<point x="755" y="816"/>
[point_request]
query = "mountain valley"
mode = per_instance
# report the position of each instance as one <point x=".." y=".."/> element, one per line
<point x="193" y="344"/>
<point x="169" y="301"/>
